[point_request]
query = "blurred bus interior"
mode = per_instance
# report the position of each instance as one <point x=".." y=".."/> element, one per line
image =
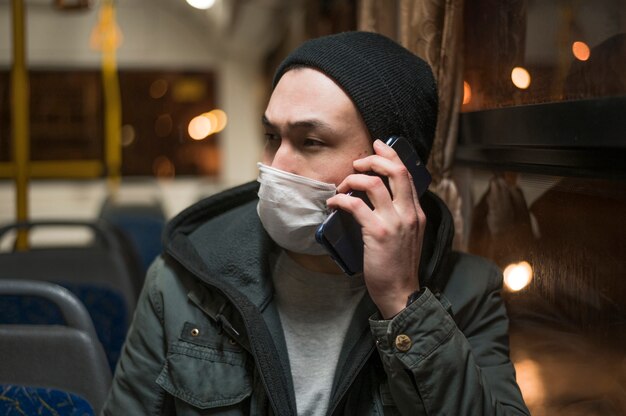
<point x="131" y="111"/>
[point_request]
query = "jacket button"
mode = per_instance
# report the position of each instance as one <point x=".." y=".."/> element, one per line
<point x="403" y="343"/>
<point x="195" y="332"/>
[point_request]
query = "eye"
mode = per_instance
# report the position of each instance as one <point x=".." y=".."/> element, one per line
<point x="271" y="137"/>
<point x="308" y="142"/>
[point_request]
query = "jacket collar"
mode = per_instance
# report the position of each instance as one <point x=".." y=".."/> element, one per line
<point x="210" y="235"/>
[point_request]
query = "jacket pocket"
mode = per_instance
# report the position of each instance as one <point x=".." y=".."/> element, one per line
<point x="205" y="377"/>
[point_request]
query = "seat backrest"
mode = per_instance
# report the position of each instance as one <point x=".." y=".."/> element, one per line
<point x="72" y="310"/>
<point x="142" y="222"/>
<point x="89" y="266"/>
<point x="100" y="263"/>
<point x="97" y="273"/>
<point x="106" y="308"/>
<point x="65" y="357"/>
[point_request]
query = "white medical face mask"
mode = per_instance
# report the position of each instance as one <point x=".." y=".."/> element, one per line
<point x="291" y="207"/>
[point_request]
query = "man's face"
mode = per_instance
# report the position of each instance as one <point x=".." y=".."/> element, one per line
<point x="312" y="128"/>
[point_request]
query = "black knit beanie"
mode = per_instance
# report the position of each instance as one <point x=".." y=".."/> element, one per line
<point x="393" y="89"/>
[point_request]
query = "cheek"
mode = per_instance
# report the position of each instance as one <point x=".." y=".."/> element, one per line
<point x="336" y="169"/>
<point x="337" y="172"/>
<point x="365" y="149"/>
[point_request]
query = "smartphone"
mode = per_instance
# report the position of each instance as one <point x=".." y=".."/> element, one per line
<point x="341" y="234"/>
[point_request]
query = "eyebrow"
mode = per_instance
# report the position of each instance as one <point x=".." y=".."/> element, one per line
<point x="312" y="124"/>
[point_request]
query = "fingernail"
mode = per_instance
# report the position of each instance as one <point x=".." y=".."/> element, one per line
<point x="379" y="142"/>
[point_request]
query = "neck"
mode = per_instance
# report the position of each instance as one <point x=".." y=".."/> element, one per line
<point x="321" y="264"/>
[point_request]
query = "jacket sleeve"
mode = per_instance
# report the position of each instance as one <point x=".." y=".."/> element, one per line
<point x="134" y="390"/>
<point x="437" y="365"/>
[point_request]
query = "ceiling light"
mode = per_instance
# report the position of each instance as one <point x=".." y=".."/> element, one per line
<point x="201" y="4"/>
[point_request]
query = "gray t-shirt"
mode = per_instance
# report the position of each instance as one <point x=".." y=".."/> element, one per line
<point x="315" y="310"/>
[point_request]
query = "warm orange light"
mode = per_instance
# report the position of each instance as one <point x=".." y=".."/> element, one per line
<point x="222" y="119"/>
<point x="518" y="275"/>
<point x="199" y="127"/>
<point x="467" y="92"/>
<point x="188" y="89"/>
<point x="581" y="51"/>
<point x="213" y="119"/>
<point x="520" y="77"/>
<point x="529" y="380"/>
<point x="106" y="35"/>
<point x="162" y="167"/>
<point x="218" y="120"/>
<point x="128" y="135"/>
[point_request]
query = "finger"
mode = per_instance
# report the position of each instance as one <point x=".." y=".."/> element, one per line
<point x="381" y="150"/>
<point x="354" y="206"/>
<point x="374" y="187"/>
<point x="389" y="152"/>
<point x="400" y="180"/>
<point x="384" y="150"/>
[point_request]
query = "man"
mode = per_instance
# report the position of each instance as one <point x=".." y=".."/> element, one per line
<point x="246" y="314"/>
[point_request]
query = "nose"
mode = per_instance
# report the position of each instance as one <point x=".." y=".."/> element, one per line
<point x="285" y="158"/>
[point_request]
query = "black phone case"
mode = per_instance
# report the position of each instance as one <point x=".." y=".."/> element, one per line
<point x="341" y="234"/>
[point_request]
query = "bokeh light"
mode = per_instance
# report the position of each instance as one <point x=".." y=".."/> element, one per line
<point x="581" y="51"/>
<point x="128" y="135"/>
<point x="467" y="92"/>
<point x="520" y="77"/>
<point x="222" y="119"/>
<point x="162" y="167"/>
<point x="199" y="127"/>
<point x="206" y="124"/>
<point x="213" y="119"/>
<point x="158" y="88"/>
<point x="530" y="382"/>
<point x="518" y="275"/>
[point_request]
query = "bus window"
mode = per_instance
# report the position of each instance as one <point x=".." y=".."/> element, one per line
<point x="540" y="166"/>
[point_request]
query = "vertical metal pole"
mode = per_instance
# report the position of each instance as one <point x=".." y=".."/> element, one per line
<point x="112" y="99"/>
<point x="19" y="119"/>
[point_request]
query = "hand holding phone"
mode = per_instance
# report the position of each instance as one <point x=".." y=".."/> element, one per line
<point x="341" y="234"/>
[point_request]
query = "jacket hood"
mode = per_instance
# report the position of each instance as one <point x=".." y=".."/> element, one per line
<point x="214" y="227"/>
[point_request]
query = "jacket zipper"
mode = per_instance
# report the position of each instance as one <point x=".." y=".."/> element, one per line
<point x="347" y="385"/>
<point x="247" y="325"/>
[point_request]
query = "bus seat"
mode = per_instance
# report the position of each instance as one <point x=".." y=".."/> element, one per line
<point x="141" y="222"/>
<point x="97" y="274"/>
<point x="51" y="362"/>
<point x="36" y="401"/>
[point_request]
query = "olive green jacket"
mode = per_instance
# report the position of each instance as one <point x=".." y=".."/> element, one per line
<point x="206" y="338"/>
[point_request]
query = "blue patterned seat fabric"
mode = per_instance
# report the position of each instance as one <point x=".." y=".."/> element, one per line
<point x="105" y="306"/>
<point x="26" y="400"/>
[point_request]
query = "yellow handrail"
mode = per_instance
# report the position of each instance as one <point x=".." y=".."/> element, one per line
<point x="19" y="119"/>
<point x="21" y="168"/>
<point x="112" y="99"/>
